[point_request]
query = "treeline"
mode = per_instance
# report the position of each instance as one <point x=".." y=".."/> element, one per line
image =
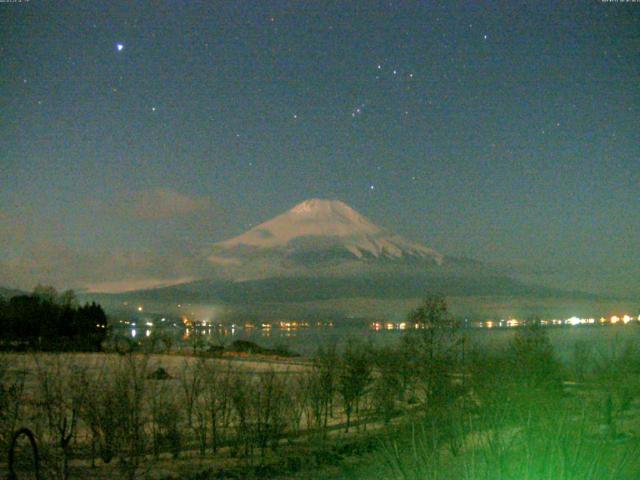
<point x="47" y="320"/>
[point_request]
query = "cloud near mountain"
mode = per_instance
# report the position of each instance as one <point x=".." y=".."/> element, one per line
<point x="115" y="270"/>
<point x="159" y="204"/>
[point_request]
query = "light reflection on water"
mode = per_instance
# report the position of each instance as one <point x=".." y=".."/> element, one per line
<point x="306" y="338"/>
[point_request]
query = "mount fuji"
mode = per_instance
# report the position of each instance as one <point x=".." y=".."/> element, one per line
<point x="324" y="250"/>
<point x="318" y="237"/>
<point x="322" y="258"/>
<point x="321" y="254"/>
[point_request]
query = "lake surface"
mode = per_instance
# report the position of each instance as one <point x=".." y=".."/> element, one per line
<point x="604" y="340"/>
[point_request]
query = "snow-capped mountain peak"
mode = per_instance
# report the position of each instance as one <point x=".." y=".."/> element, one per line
<point x="331" y="218"/>
<point x="319" y="225"/>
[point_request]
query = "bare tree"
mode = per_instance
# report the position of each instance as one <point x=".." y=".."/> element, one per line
<point x="240" y="397"/>
<point x="300" y="394"/>
<point x="96" y="411"/>
<point x="165" y="414"/>
<point x="432" y="350"/>
<point x="11" y="392"/>
<point x="129" y="392"/>
<point x="192" y="383"/>
<point x="322" y="385"/>
<point x="60" y="404"/>
<point x="354" y="377"/>
<point x="269" y="410"/>
<point x="389" y="381"/>
<point x="217" y="395"/>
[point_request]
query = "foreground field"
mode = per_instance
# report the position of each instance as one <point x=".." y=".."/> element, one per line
<point x="424" y="409"/>
<point x="165" y="416"/>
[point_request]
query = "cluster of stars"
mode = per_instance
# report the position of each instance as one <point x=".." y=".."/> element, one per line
<point x="357" y="111"/>
<point x="395" y="72"/>
<point x="395" y="75"/>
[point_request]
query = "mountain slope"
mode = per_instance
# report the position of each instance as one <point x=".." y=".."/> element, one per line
<point x="324" y="251"/>
<point x="305" y="289"/>
<point x="314" y="234"/>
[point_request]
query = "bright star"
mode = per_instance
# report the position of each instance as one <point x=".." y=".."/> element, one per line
<point x="119" y="46"/>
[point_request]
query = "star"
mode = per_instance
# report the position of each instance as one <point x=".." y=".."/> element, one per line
<point x="485" y="36"/>
<point x="357" y="111"/>
<point x="153" y="109"/>
<point x="372" y="187"/>
<point x="295" y="116"/>
<point x="119" y="47"/>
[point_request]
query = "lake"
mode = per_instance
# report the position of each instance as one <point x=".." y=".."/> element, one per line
<point x="304" y="338"/>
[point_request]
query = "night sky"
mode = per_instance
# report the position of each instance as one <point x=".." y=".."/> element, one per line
<point x="135" y="134"/>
